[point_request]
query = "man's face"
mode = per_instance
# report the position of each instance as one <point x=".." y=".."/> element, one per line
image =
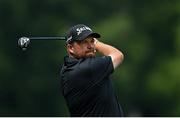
<point x="82" y="49"/>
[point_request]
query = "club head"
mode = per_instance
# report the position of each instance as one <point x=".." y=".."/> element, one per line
<point x="23" y="42"/>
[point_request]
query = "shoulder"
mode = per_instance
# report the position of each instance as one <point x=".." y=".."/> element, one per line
<point x="95" y="62"/>
<point x="99" y="60"/>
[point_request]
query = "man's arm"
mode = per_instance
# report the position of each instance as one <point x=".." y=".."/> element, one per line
<point x="107" y="50"/>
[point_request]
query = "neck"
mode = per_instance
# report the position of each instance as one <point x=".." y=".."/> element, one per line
<point x="72" y="56"/>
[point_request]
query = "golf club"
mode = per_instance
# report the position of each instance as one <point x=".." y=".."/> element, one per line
<point x="23" y="42"/>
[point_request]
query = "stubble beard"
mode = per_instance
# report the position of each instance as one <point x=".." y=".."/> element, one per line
<point x="91" y="53"/>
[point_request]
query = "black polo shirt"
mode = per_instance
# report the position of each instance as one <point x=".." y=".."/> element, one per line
<point x="87" y="88"/>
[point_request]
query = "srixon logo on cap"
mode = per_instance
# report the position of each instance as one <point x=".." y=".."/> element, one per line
<point x="81" y="29"/>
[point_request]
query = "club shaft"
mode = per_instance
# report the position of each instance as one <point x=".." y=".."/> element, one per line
<point x="47" y="38"/>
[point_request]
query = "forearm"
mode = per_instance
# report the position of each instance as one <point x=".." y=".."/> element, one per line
<point x="107" y="50"/>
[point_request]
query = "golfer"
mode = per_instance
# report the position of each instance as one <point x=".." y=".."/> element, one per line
<point x="86" y="85"/>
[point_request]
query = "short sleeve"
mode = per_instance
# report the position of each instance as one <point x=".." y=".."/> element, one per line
<point x="101" y="67"/>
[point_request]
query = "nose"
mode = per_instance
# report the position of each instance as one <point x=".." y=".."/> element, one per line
<point x="90" y="45"/>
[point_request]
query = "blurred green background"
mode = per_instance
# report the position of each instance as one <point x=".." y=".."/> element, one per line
<point x="146" y="31"/>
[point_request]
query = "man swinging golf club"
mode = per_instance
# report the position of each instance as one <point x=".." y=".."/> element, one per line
<point x="85" y="81"/>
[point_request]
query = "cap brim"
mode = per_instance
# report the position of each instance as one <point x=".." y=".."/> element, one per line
<point x="95" y="35"/>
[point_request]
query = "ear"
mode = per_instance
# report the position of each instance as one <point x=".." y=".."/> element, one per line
<point x="70" y="48"/>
